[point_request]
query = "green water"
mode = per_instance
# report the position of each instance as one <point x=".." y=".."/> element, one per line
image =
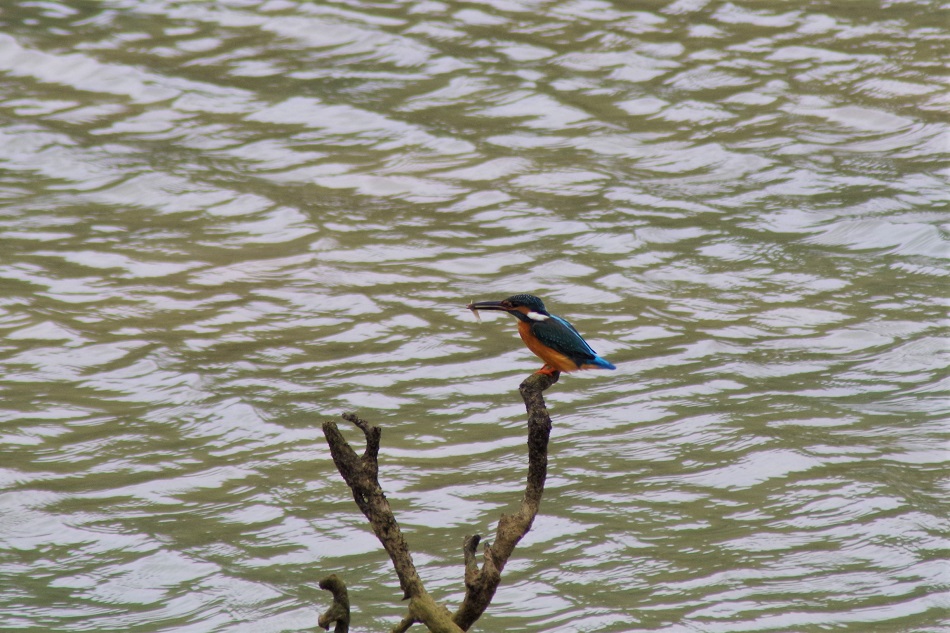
<point x="222" y="223"/>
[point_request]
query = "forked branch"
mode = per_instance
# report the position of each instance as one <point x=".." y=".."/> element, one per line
<point x="361" y="474"/>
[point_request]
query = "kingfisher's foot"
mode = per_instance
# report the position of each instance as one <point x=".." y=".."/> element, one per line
<point x="547" y="369"/>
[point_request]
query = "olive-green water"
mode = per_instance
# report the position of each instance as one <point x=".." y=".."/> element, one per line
<point x="226" y="222"/>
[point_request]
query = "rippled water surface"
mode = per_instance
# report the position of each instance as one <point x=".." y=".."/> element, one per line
<point x="225" y="222"/>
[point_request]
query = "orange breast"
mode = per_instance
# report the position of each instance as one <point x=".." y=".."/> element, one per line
<point x="551" y="357"/>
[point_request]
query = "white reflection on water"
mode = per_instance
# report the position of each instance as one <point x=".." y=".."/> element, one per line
<point x="223" y="224"/>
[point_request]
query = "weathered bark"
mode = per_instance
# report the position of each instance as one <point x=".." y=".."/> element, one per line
<point x="361" y="474"/>
<point x="480" y="584"/>
<point x="339" y="611"/>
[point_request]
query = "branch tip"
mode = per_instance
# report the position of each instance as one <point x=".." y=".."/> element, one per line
<point x="359" y="422"/>
<point x="339" y="611"/>
<point x="538" y="382"/>
<point x="373" y="434"/>
<point x="471" y="543"/>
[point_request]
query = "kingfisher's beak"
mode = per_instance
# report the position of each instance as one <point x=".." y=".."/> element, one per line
<point x="490" y="305"/>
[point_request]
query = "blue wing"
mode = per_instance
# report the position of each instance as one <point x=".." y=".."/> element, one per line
<point x="561" y="336"/>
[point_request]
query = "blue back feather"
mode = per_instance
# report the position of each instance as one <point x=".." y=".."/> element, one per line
<point x="561" y="336"/>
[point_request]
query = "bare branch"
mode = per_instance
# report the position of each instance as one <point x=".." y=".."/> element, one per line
<point x="404" y="625"/>
<point x="480" y="585"/>
<point x="361" y="474"/>
<point x="339" y="611"/>
<point x="469" y="549"/>
<point x="373" y="435"/>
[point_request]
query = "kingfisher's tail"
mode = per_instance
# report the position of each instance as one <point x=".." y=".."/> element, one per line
<point x="603" y="363"/>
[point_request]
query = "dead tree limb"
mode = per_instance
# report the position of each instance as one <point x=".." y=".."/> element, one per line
<point x="361" y="474"/>
<point x="339" y="611"/>
<point x="480" y="584"/>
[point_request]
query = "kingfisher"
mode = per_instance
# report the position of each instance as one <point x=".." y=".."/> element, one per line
<point x="551" y="338"/>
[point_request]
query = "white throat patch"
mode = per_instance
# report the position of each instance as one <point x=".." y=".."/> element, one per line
<point x="537" y="316"/>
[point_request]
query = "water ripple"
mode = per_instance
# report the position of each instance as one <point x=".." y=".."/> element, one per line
<point x="224" y="223"/>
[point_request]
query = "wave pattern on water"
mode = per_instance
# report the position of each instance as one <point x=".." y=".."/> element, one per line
<point x="223" y="223"/>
